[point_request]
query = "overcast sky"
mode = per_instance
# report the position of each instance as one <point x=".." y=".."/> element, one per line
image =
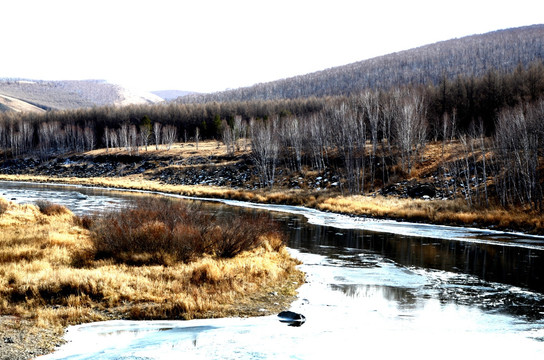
<point x="211" y="45"/>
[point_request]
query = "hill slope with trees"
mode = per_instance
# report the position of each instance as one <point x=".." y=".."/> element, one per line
<point x="474" y="55"/>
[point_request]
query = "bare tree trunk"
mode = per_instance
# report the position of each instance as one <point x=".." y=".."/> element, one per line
<point x="265" y="149"/>
<point x="157" y="134"/>
<point x="107" y="138"/>
<point x="228" y="137"/>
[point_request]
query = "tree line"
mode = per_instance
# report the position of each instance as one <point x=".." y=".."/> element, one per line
<point x="371" y="139"/>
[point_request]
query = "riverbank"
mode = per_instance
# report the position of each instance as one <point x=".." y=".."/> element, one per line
<point x="453" y="212"/>
<point x="206" y="171"/>
<point x="50" y="279"/>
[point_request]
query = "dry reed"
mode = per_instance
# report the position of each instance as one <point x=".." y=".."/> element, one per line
<point x="50" y="274"/>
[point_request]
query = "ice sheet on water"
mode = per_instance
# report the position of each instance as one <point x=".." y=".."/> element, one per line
<point x="341" y="221"/>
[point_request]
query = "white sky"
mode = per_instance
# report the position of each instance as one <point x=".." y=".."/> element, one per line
<point x="211" y="45"/>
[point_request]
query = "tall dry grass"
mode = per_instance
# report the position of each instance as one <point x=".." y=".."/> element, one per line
<point x="447" y="212"/>
<point x="51" y="272"/>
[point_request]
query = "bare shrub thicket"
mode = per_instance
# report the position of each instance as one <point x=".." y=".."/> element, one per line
<point x="163" y="231"/>
<point x="49" y="208"/>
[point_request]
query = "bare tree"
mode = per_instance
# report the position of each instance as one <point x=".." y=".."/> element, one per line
<point x="318" y="141"/>
<point x="145" y="134"/>
<point x="89" y="137"/>
<point x="45" y="138"/>
<point x="518" y="139"/>
<point x="133" y="139"/>
<point x="292" y="133"/>
<point x="349" y="138"/>
<point x="157" y="134"/>
<point x="410" y="129"/>
<point x="124" y="137"/>
<point x="114" y="138"/>
<point x="371" y="108"/>
<point x="169" y="134"/>
<point x="227" y="136"/>
<point x="239" y="130"/>
<point x="3" y="139"/>
<point x="107" y="139"/>
<point x="265" y="148"/>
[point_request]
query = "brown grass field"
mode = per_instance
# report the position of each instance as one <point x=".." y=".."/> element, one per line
<point x="52" y="275"/>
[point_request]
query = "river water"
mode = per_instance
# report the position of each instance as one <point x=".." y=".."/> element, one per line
<point x="374" y="288"/>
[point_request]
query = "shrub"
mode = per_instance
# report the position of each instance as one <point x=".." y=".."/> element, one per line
<point x="162" y="231"/>
<point x="84" y="221"/>
<point x="3" y="205"/>
<point x="48" y="208"/>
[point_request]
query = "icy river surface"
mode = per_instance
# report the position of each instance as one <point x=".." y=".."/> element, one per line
<point x="374" y="289"/>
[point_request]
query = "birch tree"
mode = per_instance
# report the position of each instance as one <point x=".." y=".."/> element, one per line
<point x="265" y="149"/>
<point x="157" y="134"/>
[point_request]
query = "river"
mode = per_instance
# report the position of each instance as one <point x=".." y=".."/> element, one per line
<point x="374" y="288"/>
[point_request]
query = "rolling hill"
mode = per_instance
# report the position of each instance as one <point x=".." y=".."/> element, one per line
<point x="467" y="56"/>
<point x="39" y="95"/>
<point x="172" y="94"/>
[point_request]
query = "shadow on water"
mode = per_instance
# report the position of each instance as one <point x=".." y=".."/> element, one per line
<point x="464" y="273"/>
<point x="515" y="266"/>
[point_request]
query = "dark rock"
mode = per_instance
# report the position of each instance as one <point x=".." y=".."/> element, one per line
<point x="420" y="190"/>
<point x="292" y="318"/>
<point x="390" y="190"/>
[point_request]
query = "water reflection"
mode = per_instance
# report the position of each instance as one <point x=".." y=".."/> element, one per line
<point x="402" y="296"/>
<point x="522" y="267"/>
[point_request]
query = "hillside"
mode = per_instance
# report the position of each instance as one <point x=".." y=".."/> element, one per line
<point x="38" y="95"/>
<point x="172" y="94"/>
<point x="471" y="55"/>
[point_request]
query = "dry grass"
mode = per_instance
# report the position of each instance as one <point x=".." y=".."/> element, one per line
<point x="4" y="205"/>
<point x="48" y="208"/>
<point x="206" y="148"/>
<point x="42" y="277"/>
<point x="448" y="212"/>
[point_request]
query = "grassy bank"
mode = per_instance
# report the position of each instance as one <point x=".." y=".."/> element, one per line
<point x="57" y="269"/>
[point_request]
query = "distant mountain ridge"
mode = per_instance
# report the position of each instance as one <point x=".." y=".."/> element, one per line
<point x="172" y="94"/>
<point x="42" y="95"/>
<point x="470" y="55"/>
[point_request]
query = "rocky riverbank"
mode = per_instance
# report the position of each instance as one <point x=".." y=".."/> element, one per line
<point x="219" y="171"/>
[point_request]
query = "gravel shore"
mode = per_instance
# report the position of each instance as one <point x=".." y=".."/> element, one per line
<point x="21" y="339"/>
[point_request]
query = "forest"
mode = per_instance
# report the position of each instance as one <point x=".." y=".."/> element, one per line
<point x="371" y="139"/>
<point x="474" y="55"/>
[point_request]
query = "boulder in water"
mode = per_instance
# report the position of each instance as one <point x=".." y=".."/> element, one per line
<point x="292" y="318"/>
